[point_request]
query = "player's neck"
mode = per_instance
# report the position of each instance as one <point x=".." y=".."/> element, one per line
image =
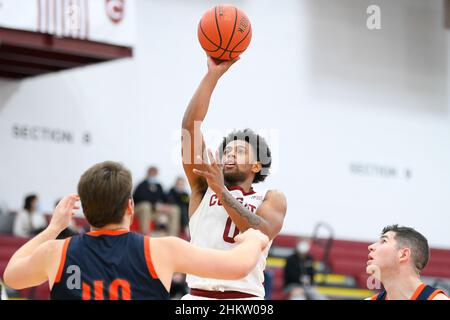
<point x="401" y="286"/>
<point x="246" y="186"/>
<point x="113" y="227"/>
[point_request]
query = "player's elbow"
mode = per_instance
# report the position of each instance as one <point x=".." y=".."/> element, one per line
<point x="187" y="123"/>
<point x="10" y="279"/>
<point x="191" y="122"/>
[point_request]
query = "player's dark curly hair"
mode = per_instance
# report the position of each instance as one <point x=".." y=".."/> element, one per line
<point x="258" y="144"/>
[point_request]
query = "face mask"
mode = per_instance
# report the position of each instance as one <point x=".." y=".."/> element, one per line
<point x="152" y="180"/>
<point x="303" y="247"/>
<point x="38" y="207"/>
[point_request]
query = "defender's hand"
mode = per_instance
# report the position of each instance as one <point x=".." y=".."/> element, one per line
<point x="253" y="234"/>
<point x="64" y="212"/>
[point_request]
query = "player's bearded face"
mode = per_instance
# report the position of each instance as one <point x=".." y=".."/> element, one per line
<point x="234" y="176"/>
<point x="237" y="162"/>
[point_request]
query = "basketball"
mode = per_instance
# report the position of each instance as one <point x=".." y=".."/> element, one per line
<point x="224" y="32"/>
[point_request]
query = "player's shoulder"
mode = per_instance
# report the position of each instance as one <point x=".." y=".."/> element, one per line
<point x="50" y="250"/>
<point x="167" y="244"/>
<point x="276" y="200"/>
<point x="275" y="195"/>
<point x="166" y="251"/>
<point x="53" y="245"/>
<point x="170" y="240"/>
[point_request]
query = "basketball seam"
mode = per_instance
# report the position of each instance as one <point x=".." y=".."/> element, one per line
<point x="217" y="25"/>
<point x="232" y="34"/>
<point x="204" y="34"/>
<point x="237" y="51"/>
<point x="232" y="50"/>
<point x="218" y="47"/>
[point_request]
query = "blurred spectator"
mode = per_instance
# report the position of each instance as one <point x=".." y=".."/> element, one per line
<point x="167" y="220"/>
<point x="3" y="208"/>
<point x="150" y="201"/>
<point x="161" y="228"/>
<point x="179" y="287"/>
<point x="179" y="196"/>
<point x="6" y="219"/>
<point x="298" y="293"/>
<point x="29" y="221"/>
<point x="268" y="281"/>
<point x="299" y="271"/>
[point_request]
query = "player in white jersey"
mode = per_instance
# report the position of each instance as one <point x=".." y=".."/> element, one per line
<point x="223" y="202"/>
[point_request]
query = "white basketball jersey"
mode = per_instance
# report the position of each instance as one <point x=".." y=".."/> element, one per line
<point x="211" y="227"/>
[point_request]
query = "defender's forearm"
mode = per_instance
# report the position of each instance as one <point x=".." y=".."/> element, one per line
<point x="246" y="255"/>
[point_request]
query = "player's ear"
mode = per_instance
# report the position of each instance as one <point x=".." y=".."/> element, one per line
<point x="256" y="167"/>
<point x="130" y="206"/>
<point x="404" y="254"/>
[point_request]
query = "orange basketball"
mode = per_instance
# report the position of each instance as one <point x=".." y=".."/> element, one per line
<point x="224" y="32"/>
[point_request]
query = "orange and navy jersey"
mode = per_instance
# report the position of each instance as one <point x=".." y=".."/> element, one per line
<point x="423" y="292"/>
<point x="107" y="265"/>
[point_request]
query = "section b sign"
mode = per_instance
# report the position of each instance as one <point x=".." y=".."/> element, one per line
<point x="109" y="21"/>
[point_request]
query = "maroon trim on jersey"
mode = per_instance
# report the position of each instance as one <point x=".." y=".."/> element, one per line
<point x="243" y="192"/>
<point x="221" y="295"/>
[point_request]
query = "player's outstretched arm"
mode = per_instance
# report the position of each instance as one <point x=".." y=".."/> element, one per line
<point x="193" y="145"/>
<point x="30" y="265"/>
<point x="173" y="254"/>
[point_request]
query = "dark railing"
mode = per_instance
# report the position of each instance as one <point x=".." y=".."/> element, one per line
<point x="325" y="242"/>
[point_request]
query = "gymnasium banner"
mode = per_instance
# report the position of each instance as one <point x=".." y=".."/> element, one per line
<point x="108" y="21"/>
